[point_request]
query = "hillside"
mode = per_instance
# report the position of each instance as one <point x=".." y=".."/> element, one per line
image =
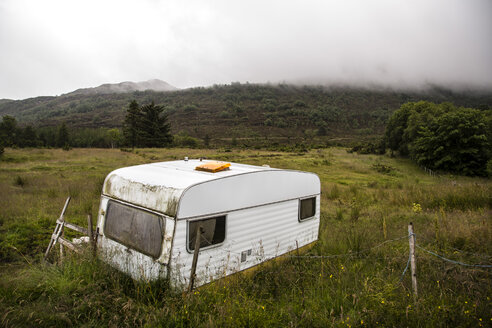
<point x="125" y="87"/>
<point x="240" y="110"/>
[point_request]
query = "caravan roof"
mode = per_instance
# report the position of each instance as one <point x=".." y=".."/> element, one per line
<point x="163" y="186"/>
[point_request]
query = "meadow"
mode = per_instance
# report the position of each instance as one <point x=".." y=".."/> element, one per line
<point x="352" y="277"/>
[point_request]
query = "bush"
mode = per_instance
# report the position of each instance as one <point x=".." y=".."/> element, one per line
<point x="19" y="181"/>
<point x="440" y="137"/>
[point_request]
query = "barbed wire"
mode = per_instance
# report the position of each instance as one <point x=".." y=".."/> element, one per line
<point x="271" y="256"/>
<point x="453" y="261"/>
<point x="433" y="242"/>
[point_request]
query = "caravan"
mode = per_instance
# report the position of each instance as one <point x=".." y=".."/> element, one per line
<point x="150" y="215"/>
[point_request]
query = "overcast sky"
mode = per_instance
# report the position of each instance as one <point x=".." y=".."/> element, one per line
<point x="52" y="47"/>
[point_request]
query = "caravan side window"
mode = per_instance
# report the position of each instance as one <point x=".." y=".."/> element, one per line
<point x="213" y="232"/>
<point x="135" y="228"/>
<point x="307" y="208"/>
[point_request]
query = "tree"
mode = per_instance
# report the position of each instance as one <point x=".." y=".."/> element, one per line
<point x="131" y="124"/>
<point x="454" y="141"/>
<point x="441" y="136"/>
<point x="153" y="128"/>
<point x="28" y="137"/>
<point x="114" y="136"/>
<point x="62" y="137"/>
<point x="9" y="132"/>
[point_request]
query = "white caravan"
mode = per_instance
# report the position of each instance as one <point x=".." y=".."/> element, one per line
<point x="149" y="214"/>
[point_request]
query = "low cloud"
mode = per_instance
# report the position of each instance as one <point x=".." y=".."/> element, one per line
<point x="53" y="47"/>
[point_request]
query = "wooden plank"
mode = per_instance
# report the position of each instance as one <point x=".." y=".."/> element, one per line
<point x="68" y="244"/>
<point x="77" y="228"/>
<point x="61" y="245"/>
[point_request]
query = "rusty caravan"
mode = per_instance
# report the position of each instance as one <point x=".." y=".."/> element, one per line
<point x="203" y="220"/>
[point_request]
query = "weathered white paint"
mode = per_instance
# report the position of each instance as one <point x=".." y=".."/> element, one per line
<point x="136" y="264"/>
<point x="268" y="231"/>
<point x="261" y="205"/>
<point x="246" y="190"/>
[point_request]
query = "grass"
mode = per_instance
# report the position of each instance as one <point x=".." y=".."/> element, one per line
<point x="366" y="200"/>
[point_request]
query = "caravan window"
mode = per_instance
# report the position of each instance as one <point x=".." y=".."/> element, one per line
<point x="213" y="232"/>
<point x="135" y="228"/>
<point x="307" y="208"/>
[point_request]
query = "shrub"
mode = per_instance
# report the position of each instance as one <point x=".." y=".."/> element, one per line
<point x="19" y="181"/>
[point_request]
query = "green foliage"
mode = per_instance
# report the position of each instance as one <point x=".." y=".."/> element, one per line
<point x="9" y="131"/>
<point x="239" y="110"/>
<point x="440" y="137"/>
<point x="375" y="147"/>
<point x="206" y="141"/>
<point x="146" y="126"/>
<point x="154" y="130"/>
<point x="190" y="108"/>
<point x="29" y="137"/>
<point x="62" y="137"/>
<point x="131" y="124"/>
<point x="19" y="181"/>
<point x="182" y="139"/>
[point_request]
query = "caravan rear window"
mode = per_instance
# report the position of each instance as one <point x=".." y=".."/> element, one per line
<point x="135" y="228"/>
<point x="307" y="208"/>
<point x="213" y="232"/>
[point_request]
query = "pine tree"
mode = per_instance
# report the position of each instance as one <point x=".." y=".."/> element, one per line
<point x="131" y="125"/>
<point x="153" y="127"/>
<point x="62" y="138"/>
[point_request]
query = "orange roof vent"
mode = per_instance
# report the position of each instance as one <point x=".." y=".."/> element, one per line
<point x="213" y="167"/>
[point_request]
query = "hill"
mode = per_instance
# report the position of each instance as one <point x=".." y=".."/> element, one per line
<point x="241" y="110"/>
<point x="125" y="87"/>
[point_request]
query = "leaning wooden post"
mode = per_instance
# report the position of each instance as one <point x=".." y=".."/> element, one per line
<point x="61" y="245"/>
<point x="58" y="229"/>
<point x="413" y="262"/>
<point x="195" y="257"/>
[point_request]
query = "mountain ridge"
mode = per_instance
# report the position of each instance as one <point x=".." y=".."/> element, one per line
<point x="125" y="87"/>
<point x="241" y="110"/>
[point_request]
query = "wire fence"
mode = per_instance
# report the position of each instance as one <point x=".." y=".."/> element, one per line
<point x="271" y="256"/>
<point x="453" y="261"/>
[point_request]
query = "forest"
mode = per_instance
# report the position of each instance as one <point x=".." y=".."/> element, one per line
<point x="440" y="129"/>
<point x="240" y="111"/>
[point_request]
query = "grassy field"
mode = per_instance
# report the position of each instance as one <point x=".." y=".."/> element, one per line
<point x="366" y="200"/>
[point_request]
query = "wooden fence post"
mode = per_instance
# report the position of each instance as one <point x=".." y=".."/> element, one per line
<point x="413" y="262"/>
<point x="195" y="257"/>
<point x="90" y="233"/>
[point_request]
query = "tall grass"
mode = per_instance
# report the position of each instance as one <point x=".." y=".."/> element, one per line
<point x="362" y="207"/>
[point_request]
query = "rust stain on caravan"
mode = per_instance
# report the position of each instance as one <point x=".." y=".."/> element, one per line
<point x="159" y="198"/>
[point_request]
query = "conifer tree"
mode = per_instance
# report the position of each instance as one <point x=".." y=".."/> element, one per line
<point x="154" y="129"/>
<point x="131" y="124"/>
<point x="62" y="138"/>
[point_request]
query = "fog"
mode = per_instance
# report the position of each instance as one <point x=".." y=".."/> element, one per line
<point x="53" y="47"/>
